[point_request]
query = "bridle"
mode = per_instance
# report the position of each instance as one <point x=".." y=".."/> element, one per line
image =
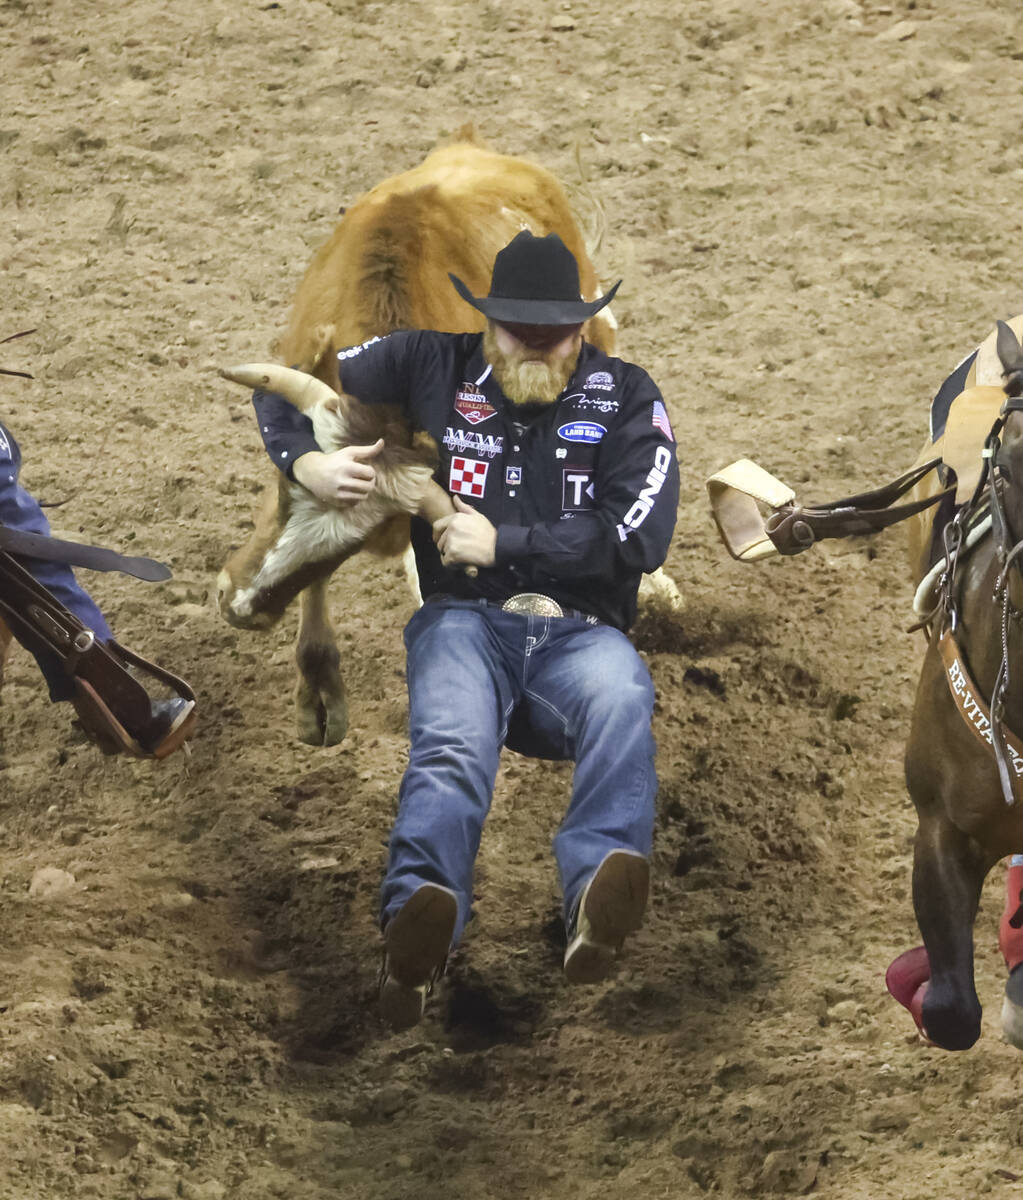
<point x="1009" y="547"/>
<point x="989" y="493"/>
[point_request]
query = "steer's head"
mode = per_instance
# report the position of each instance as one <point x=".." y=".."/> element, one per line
<point x="260" y="579"/>
<point x="241" y="598"/>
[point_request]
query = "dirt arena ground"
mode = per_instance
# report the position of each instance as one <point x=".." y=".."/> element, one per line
<point x="815" y="207"/>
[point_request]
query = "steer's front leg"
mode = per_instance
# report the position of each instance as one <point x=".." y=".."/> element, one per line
<point x="436" y="503"/>
<point x="321" y="706"/>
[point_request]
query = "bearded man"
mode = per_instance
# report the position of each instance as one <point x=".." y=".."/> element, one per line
<point x="560" y="462"/>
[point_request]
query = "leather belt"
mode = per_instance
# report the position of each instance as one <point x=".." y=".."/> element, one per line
<point x="535" y="604"/>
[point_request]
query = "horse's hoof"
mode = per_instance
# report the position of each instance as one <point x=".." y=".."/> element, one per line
<point x="949" y="1028"/>
<point x="1012" y="1009"/>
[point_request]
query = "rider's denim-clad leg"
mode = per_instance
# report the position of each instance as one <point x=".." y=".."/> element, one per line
<point x="578" y="691"/>
<point x="18" y="510"/>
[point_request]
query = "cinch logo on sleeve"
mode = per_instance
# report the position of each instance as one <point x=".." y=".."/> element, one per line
<point x="582" y="431"/>
<point x="352" y="351"/>
<point x="644" y="502"/>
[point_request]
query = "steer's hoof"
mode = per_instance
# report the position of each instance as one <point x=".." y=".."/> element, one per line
<point x="906" y="979"/>
<point x="1012" y="1008"/>
<point x="322" y="724"/>
<point x="335" y="725"/>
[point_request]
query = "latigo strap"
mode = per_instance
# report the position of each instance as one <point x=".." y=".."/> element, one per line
<point x="76" y="554"/>
<point x="738" y="491"/>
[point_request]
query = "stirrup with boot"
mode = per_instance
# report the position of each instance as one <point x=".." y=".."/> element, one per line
<point x="114" y="708"/>
<point x="118" y="714"/>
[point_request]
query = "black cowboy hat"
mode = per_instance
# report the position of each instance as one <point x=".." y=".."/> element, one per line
<point x="535" y="282"/>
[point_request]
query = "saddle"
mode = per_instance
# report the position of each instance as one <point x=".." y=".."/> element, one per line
<point x="960" y="450"/>
<point x="112" y="703"/>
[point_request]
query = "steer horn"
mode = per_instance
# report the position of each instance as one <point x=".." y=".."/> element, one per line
<point x="304" y="391"/>
<point x="295" y="386"/>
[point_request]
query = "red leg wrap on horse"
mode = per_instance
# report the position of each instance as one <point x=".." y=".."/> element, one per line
<point x="1010" y="930"/>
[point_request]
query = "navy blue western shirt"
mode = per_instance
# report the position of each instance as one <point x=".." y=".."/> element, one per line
<point x="583" y="493"/>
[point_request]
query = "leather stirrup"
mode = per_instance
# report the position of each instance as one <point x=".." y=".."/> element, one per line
<point x="112" y="704"/>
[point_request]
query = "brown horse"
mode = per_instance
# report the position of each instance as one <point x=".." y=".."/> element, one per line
<point x="962" y="762"/>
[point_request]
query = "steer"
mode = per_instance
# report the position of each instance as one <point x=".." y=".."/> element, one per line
<point x="384" y="268"/>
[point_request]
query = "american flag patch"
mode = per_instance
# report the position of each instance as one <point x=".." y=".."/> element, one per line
<point x="660" y="420"/>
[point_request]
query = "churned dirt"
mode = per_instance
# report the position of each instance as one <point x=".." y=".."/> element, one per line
<point x="815" y="207"/>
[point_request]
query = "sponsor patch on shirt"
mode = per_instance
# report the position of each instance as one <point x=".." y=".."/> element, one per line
<point x="458" y="441"/>
<point x="577" y="490"/>
<point x="513" y="475"/>
<point x="600" y="381"/>
<point x="581" y="431"/>
<point x="660" y="420"/>
<point x="468" y="477"/>
<point x="602" y="404"/>
<point x="471" y="405"/>
<point x="644" y="502"/>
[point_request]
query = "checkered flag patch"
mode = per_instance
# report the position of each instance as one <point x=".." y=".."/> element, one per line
<point x="468" y="477"/>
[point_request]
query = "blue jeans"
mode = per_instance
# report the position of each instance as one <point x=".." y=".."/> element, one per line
<point x="556" y="688"/>
<point x="18" y="510"/>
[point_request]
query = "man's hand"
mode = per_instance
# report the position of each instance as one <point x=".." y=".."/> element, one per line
<point x="466" y="537"/>
<point x="341" y="477"/>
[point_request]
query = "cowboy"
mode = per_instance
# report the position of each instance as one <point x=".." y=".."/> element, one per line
<point x="154" y="727"/>
<point x="560" y="462"/>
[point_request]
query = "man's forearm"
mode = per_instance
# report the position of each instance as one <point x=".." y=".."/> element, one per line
<point x="287" y="433"/>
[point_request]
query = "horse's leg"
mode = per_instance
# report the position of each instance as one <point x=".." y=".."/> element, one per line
<point x="321" y="709"/>
<point x="948" y="872"/>
<point x="5" y="647"/>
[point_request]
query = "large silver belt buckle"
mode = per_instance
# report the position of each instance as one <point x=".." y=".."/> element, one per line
<point x="532" y="604"/>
